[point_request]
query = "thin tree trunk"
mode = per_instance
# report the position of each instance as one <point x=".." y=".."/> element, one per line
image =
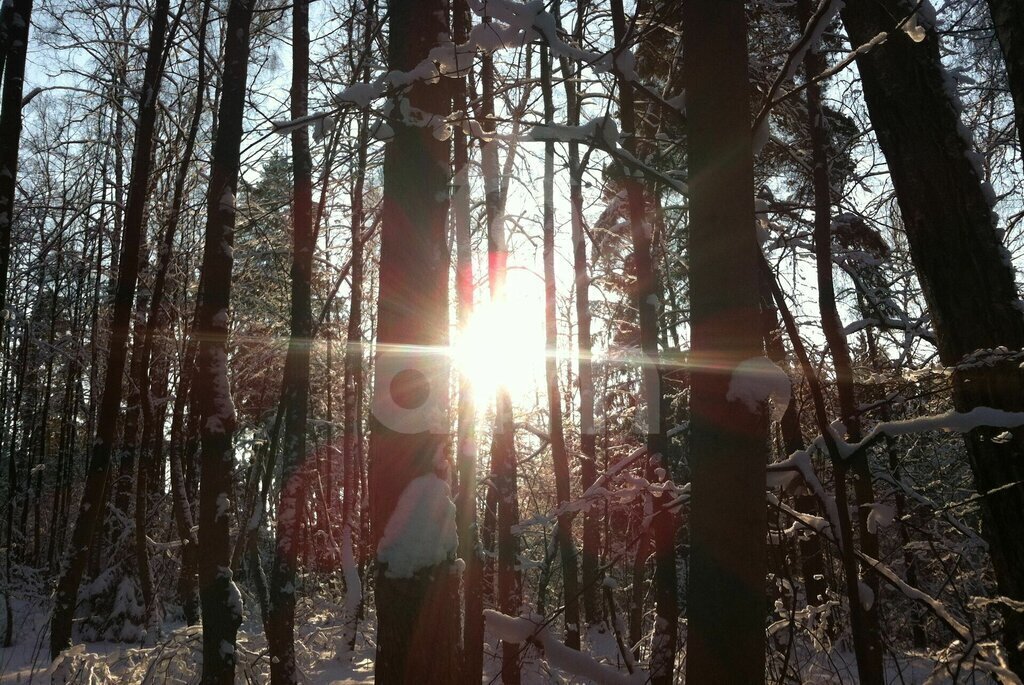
<point x="559" y="454"/>
<point x="281" y="619"/>
<point x="218" y="596"/>
<point x="646" y="298"/>
<point x="864" y="624"/>
<point x="504" y="468"/>
<point x="92" y="507"/>
<point x="156" y="322"/>
<point x="472" y="657"/>
<point x="728" y="448"/>
<point x="592" y="606"/>
<point x="353" y="382"/>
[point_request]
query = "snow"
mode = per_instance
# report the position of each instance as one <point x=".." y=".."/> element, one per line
<point x="1003" y="438"/>
<point x="227" y="200"/>
<point x="421" y="531"/>
<point x="353" y="585"/>
<point x="866" y="595"/>
<point x="570" y="661"/>
<point x="951" y="421"/>
<point x="916" y="32"/>
<point x="756" y="381"/>
<point x="360" y="94"/>
<point x="879" y="515"/>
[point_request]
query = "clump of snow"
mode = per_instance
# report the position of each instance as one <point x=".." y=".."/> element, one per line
<point x="867" y="595"/>
<point x="879" y="515"/>
<point x="756" y="381"/>
<point x="1003" y="438"/>
<point x="913" y="29"/>
<point x="360" y="94"/>
<point x="421" y="531"/>
<point x="523" y="629"/>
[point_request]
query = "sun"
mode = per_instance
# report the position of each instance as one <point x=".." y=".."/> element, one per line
<point x="502" y="346"/>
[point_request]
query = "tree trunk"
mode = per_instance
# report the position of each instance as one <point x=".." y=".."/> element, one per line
<point x="281" y="620"/>
<point x="353" y="384"/>
<point x="592" y="606"/>
<point x="472" y="656"/>
<point x="964" y="270"/>
<point x="1008" y="20"/>
<point x="866" y="634"/>
<point x="646" y="298"/>
<point x="728" y="521"/>
<point x="17" y="19"/>
<point x="218" y="596"/>
<point x="504" y="469"/>
<point x="92" y="503"/>
<point x="559" y="454"/>
<point x="415" y="634"/>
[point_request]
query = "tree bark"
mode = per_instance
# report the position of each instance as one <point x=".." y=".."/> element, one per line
<point x="559" y="454"/>
<point x="218" y="596"/>
<point x="472" y="645"/>
<point x="864" y="624"/>
<point x="728" y="520"/>
<point x="646" y="299"/>
<point x="965" y="272"/>
<point x="281" y="619"/>
<point x="504" y="467"/>
<point x="415" y="634"/>
<point x="17" y="19"/>
<point x="1008" y="21"/>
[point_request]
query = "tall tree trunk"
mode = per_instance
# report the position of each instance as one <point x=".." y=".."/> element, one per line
<point x="728" y="520"/>
<point x="864" y="622"/>
<point x="592" y="607"/>
<point x="1008" y="20"/>
<point x="415" y="624"/>
<point x="17" y="18"/>
<point x="559" y="454"/>
<point x="966" y="275"/>
<point x="218" y="596"/>
<point x="472" y="657"/>
<point x="157" y="321"/>
<point x="352" y="389"/>
<point x="92" y="503"/>
<point x="281" y="619"/>
<point x="646" y="299"/>
<point x="504" y="469"/>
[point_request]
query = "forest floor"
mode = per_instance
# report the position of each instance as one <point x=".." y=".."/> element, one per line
<point x="175" y="657"/>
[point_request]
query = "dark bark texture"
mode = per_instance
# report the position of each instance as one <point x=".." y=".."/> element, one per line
<point x="1008" y="20"/>
<point x="219" y="598"/>
<point x="964" y="270"/>
<point x="415" y="641"/>
<point x="728" y="453"/>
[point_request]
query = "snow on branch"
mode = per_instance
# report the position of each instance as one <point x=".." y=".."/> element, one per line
<point x="951" y="422"/>
<point x="603" y="133"/>
<point x="534" y="630"/>
<point x="515" y="25"/>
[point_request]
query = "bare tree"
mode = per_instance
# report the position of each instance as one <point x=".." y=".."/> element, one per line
<point x="92" y="504"/>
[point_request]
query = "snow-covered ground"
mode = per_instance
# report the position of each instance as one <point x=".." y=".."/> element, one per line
<point x="176" y="657"/>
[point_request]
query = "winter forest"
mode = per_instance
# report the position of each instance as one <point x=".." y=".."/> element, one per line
<point x="485" y="341"/>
